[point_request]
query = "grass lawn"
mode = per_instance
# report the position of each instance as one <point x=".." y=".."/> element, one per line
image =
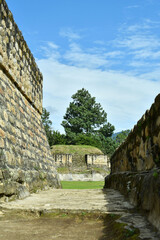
<point x="82" y="185"/>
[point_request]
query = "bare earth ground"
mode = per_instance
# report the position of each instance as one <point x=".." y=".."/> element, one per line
<point x="72" y="214"/>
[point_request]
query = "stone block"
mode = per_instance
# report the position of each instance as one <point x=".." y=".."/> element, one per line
<point x="1" y="143"/>
<point x="2" y="191"/>
<point x="2" y="133"/>
<point x="10" y="188"/>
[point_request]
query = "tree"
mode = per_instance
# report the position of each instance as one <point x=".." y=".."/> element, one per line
<point x="54" y="137"/>
<point x="47" y="123"/>
<point x="122" y="136"/>
<point x="58" y="138"/>
<point x="84" y="115"/>
<point x="107" y="130"/>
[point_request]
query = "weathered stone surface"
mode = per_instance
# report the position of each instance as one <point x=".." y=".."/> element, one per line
<point x="62" y="159"/>
<point x="22" y="192"/>
<point x="98" y="160"/>
<point x="142" y="189"/>
<point x="80" y="201"/>
<point x="94" y="160"/>
<point x="141" y="150"/>
<point x="24" y="149"/>
<point x="17" y="59"/>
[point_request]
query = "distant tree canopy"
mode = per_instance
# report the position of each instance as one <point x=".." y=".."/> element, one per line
<point x="122" y="136"/>
<point x="85" y="116"/>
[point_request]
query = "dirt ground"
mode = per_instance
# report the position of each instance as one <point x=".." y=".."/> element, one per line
<point x="85" y="226"/>
<point x="77" y="217"/>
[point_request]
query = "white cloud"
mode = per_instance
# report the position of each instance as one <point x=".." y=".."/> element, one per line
<point x="76" y="56"/>
<point x="69" y="33"/>
<point x="152" y="75"/>
<point x="144" y="26"/>
<point x="138" y="41"/>
<point x="53" y="45"/>
<point x="50" y="50"/>
<point x="144" y="53"/>
<point x="132" y="6"/>
<point x="140" y="44"/>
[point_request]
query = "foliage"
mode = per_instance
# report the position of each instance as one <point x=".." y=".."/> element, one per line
<point x="54" y="137"/>
<point x="122" y="136"/>
<point x="88" y="139"/>
<point x="107" y="130"/>
<point x="47" y="125"/>
<point x="58" y="138"/>
<point x="83" y="115"/>
<point x="109" y="146"/>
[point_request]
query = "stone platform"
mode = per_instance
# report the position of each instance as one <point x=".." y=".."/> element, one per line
<point x="104" y="201"/>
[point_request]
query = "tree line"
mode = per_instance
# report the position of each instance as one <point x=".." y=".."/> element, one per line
<point x="85" y="123"/>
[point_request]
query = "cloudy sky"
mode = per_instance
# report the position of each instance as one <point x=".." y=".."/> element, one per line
<point x="109" y="47"/>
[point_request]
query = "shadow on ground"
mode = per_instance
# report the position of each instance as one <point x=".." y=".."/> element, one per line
<point x="61" y="225"/>
<point x="125" y="221"/>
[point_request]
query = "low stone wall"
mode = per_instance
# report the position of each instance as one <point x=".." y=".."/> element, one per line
<point x="82" y="177"/>
<point x="142" y="189"/>
<point x="135" y="165"/>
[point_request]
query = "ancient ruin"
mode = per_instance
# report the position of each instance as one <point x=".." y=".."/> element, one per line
<point x="68" y="160"/>
<point x="25" y="159"/>
<point x="26" y="163"/>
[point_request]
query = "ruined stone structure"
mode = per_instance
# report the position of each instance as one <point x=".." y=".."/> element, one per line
<point x="69" y="160"/>
<point x="135" y="165"/>
<point x="98" y="160"/>
<point x="63" y="160"/>
<point x="25" y="159"/>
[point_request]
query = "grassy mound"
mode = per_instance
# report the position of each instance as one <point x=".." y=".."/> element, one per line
<point x="75" y="149"/>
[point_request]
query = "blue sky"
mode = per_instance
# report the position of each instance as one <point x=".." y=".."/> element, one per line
<point x="111" y="48"/>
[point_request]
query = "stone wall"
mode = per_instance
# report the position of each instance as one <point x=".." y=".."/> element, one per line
<point x="63" y="160"/>
<point x="135" y="165"/>
<point x="98" y="160"/>
<point x="141" y="150"/>
<point x="17" y="60"/>
<point x="26" y="163"/>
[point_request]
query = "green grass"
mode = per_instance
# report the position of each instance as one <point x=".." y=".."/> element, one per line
<point x="84" y="170"/>
<point x="82" y="185"/>
<point x="75" y="149"/>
